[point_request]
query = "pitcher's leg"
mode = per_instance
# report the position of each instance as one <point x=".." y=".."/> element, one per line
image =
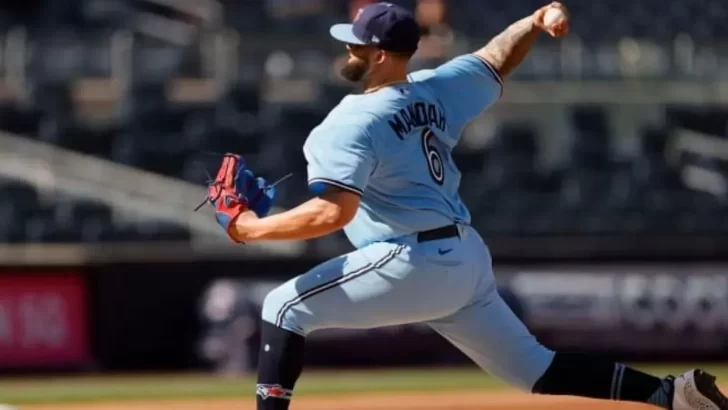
<point x="496" y="340"/>
<point x="323" y="297"/>
<point x="382" y="284"/>
<point x="493" y="337"/>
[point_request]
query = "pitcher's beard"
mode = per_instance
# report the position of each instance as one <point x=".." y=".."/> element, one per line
<point x="355" y="71"/>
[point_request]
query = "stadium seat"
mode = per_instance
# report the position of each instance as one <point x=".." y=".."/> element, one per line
<point x="161" y="231"/>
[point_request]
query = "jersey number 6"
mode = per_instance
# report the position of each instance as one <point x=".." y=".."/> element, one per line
<point x="434" y="159"/>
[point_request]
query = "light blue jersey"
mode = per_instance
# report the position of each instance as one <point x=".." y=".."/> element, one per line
<point x="394" y="147"/>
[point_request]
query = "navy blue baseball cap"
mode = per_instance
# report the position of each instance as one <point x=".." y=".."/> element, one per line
<point x="384" y="25"/>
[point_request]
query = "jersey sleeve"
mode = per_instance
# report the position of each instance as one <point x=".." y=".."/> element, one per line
<point x="340" y="156"/>
<point x="466" y="85"/>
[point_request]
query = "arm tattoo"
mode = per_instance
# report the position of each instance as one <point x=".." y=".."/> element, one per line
<point x="506" y="50"/>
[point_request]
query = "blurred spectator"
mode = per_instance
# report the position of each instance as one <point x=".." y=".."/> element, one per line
<point x="437" y="37"/>
<point x="355" y="5"/>
<point x="430" y="12"/>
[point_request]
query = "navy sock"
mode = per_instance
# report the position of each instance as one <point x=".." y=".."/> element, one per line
<point x="597" y="378"/>
<point x="662" y="397"/>
<point x="279" y="365"/>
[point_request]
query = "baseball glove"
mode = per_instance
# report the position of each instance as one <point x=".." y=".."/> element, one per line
<point x="235" y="190"/>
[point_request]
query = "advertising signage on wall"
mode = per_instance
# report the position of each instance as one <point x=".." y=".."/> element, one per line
<point x="43" y="321"/>
<point x="627" y="310"/>
<point x="632" y="300"/>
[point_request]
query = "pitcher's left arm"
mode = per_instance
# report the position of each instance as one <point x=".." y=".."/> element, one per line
<point x="340" y="160"/>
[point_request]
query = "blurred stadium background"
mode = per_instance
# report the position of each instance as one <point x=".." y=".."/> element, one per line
<point x="599" y="181"/>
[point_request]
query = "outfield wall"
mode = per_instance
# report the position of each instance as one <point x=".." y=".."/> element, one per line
<point x="164" y="316"/>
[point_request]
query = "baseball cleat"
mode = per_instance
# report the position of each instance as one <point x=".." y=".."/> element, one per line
<point x="696" y="390"/>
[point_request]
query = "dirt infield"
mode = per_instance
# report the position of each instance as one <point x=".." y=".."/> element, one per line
<point x="458" y="400"/>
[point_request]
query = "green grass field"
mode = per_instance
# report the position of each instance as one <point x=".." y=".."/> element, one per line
<point x="114" y="388"/>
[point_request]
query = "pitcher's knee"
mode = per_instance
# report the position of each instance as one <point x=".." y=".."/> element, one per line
<point x="525" y="368"/>
<point x="541" y="358"/>
<point x="278" y="309"/>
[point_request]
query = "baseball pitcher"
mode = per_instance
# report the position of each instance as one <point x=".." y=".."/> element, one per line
<point x="380" y="167"/>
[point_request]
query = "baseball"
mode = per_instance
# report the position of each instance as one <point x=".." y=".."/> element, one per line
<point x="553" y="16"/>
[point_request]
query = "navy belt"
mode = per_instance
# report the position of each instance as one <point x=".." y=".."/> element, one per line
<point x="449" y="231"/>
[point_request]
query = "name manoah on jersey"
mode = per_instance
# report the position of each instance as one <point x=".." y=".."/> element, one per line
<point x="417" y="115"/>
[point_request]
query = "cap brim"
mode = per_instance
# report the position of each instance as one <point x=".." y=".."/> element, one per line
<point x="345" y="34"/>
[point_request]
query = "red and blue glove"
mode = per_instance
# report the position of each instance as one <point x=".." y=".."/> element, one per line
<point x="259" y="193"/>
<point x="235" y="190"/>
